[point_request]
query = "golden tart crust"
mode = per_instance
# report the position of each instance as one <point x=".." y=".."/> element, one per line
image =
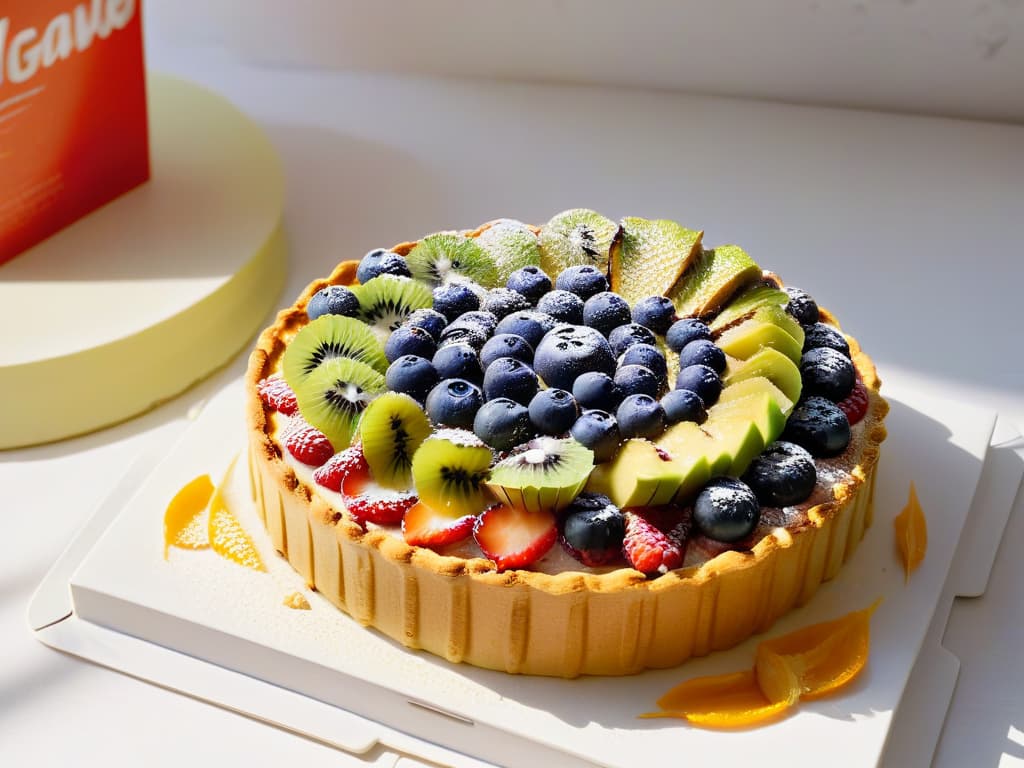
<point x="562" y="625"/>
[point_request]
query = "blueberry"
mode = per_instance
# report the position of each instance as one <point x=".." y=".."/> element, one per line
<point x="648" y="356"/>
<point x="455" y="298"/>
<point x="409" y="340"/>
<point x="415" y="376"/>
<point x="568" y="351"/>
<point x="506" y="345"/>
<point x="430" y="321"/>
<point x="684" y="331"/>
<point x="463" y="333"/>
<point x="783" y="475"/>
<point x="381" y="262"/>
<point x="458" y="361"/>
<point x="502" y="302"/>
<point x="592" y="529"/>
<point x="530" y="282"/>
<point x="726" y="510"/>
<point x="822" y="335"/>
<point x="503" y="424"/>
<point x="625" y="336"/>
<point x="594" y="389"/>
<point x="529" y="324"/>
<point x="563" y="306"/>
<point x="656" y="313"/>
<point x="553" y="411"/>
<point x="637" y="380"/>
<point x="454" y="403"/>
<point x="640" y="416"/>
<point x="818" y="425"/>
<point x="702" y="352"/>
<point x="606" y="311"/>
<point x="828" y="373"/>
<point x="333" y="300"/>
<point x="702" y="380"/>
<point x="511" y="378"/>
<point x="802" y="306"/>
<point x="598" y="431"/>
<point x="584" y="281"/>
<point x="485" y="321"/>
<point x="683" y="405"/>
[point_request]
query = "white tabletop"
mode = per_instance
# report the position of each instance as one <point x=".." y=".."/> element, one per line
<point x="908" y="228"/>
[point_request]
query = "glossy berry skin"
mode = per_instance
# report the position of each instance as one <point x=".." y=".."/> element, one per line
<point x="684" y="405"/>
<point x="625" y="336"/>
<point x="656" y="313"/>
<point x="511" y="378"/>
<point x="502" y="302"/>
<point x="409" y="340"/>
<point x="856" y="404"/>
<point x="828" y="373"/>
<point x="592" y="529"/>
<point x="455" y="298"/>
<point x="571" y="350"/>
<point x="563" y="306"/>
<point x="637" y="380"/>
<point x="485" y="321"/>
<point x="506" y="345"/>
<point x="726" y="510"/>
<point x="585" y="281"/>
<point x="530" y="282"/>
<point x="529" y="324"/>
<point x="640" y="416"/>
<point x="333" y="300"/>
<point x="823" y="335"/>
<point x="429" y="320"/>
<point x="415" y="376"/>
<point x="595" y="389"/>
<point x="277" y="395"/>
<point x="802" y="306"/>
<point x="503" y="424"/>
<point x="454" y="403"/>
<point x="307" y="444"/>
<point x="818" y="425"/>
<point x="782" y="475"/>
<point x="648" y="356"/>
<point x="606" y="311"/>
<point x="599" y="431"/>
<point x="553" y="411"/>
<point x="702" y="380"/>
<point x="703" y="352"/>
<point x="458" y="361"/>
<point x="381" y="262"/>
<point x="684" y="331"/>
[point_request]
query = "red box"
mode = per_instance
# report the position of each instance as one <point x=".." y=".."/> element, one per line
<point x="73" y="132"/>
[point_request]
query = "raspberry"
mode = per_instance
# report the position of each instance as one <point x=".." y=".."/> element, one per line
<point x="308" y="444"/>
<point x="855" y="406"/>
<point x="330" y="474"/>
<point x="275" y="393"/>
<point x="366" y="501"/>
<point x="654" y="539"/>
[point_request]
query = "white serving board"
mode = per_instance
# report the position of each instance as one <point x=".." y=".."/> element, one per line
<point x="213" y="610"/>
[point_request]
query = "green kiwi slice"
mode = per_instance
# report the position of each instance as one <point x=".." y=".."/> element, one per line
<point x="387" y="300"/>
<point x="335" y="394"/>
<point x="544" y="474"/>
<point x="574" y="238"/>
<point x="443" y="257"/>
<point x="392" y="428"/>
<point x="326" y="338"/>
<point x="512" y="245"/>
<point x="449" y="471"/>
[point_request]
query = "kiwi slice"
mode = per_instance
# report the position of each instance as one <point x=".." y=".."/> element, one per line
<point x="647" y="256"/>
<point x="326" y="338"/>
<point x="574" y="238"/>
<point x="387" y="300"/>
<point x="713" y="278"/>
<point x="392" y="428"/>
<point x="444" y="257"/>
<point x="544" y="474"/>
<point x="511" y="245"/>
<point x="746" y="304"/>
<point x="449" y="470"/>
<point x="334" y="395"/>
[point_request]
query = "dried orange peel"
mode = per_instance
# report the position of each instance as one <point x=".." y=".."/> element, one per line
<point x="806" y="664"/>
<point x="183" y="524"/>
<point x="227" y="536"/>
<point x="911" y="533"/>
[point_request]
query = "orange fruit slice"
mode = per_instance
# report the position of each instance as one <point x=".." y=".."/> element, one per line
<point x="183" y="525"/>
<point x="227" y="536"/>
<point x="732" y="700"/>
<point x="911" y="533"/>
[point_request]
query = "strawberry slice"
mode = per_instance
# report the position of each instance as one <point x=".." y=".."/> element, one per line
<point x="855" y="405"/>
<point x="655" y="539"/>
<point x="425" y="527"/>
<point x="276" y="394"/>
<point x="330" y="474"/>
<point x="514" y="538"/>
<point x="307" y="444"/>
<point x="369" y="502"/>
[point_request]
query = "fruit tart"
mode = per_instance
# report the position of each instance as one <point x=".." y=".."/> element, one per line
<point x="585" y="448"/>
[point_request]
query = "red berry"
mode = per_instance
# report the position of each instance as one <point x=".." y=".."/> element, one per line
<point x="331" y="473"/>
<point x="275" y="393"/>
<point x="855" y="406"/>
<point x="655" y="539"/>
<point x="424" y="527"/>
<point x="514" y="538"/>
<point x="308" y="444"/>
